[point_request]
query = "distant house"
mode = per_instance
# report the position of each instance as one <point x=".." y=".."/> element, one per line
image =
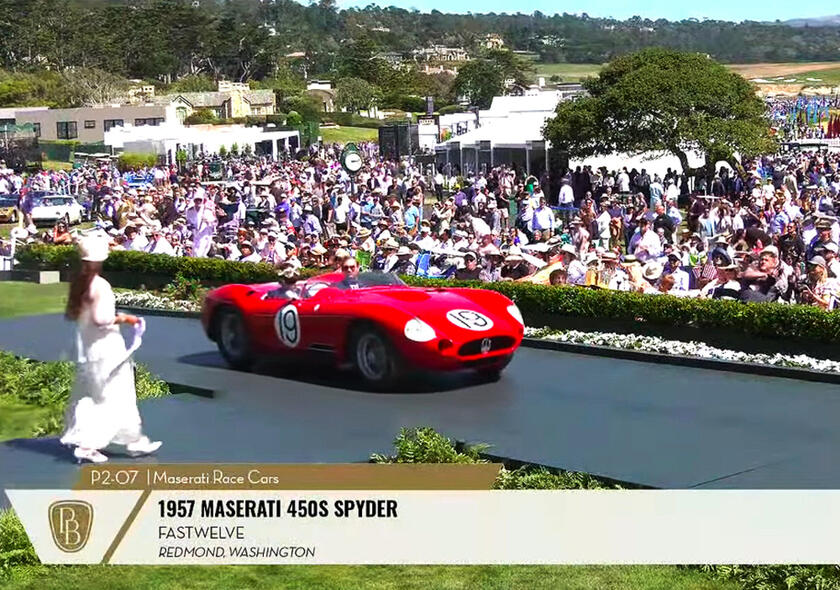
<point x="393" y="58"/>
<point x="493" y="41"/>
<point x="441" y="53"/>
<point x="231" y="100"/>
<point x="324" y="93"/>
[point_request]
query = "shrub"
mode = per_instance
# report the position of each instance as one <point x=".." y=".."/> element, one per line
<point x="294" y="119"/>
<point x="351" y="120"/>
<point x="15" y="546"/>
<point x="425" y="445"/>
<point x="185" y="288"/>
<point x="130" y="160"/>
<point x="201" y="117"/>
<point x="451" y="109"/>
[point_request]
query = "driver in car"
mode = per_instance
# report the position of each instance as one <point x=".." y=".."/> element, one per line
<point x="350" y="268"/>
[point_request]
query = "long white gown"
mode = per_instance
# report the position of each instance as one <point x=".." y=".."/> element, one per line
<point x="103" y="404"/>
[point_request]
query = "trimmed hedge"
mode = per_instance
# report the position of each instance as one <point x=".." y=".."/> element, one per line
<point x="207" y="270"/>
<point x="772" y="320"/>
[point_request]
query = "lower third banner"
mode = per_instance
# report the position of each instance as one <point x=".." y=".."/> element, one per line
<point x="430" y="526"/>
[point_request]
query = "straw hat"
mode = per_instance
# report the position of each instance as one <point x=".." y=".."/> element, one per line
<point x="404" y="251"/>
<point x="569" y="249"/>
<point x="514" y="254"/>
<point x="93" y="248"/>
<point x="652" y="271"/>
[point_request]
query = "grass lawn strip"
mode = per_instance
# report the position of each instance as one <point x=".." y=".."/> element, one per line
<point x="19" y="298"/>
<point x="503" y="577"/>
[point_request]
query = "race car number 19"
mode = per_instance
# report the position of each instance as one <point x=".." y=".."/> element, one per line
<point x="469" y="320"/>
<point x="287" y="325"/>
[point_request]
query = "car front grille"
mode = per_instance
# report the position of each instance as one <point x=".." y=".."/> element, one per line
<point x="474" y="347"/>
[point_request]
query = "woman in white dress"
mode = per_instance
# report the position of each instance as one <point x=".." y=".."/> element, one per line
<point x="103" y="404"/>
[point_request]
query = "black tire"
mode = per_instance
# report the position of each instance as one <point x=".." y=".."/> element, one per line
<point x="494" y="372"/>
<point x="374" y="358"/>
<point x="233" y="340"/>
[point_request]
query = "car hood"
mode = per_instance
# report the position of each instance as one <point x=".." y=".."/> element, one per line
<point x="433" y="305"/>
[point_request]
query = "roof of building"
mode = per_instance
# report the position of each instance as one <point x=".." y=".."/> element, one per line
<point x="215" y="99"/>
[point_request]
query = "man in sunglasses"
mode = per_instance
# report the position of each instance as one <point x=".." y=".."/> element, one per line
<point x="350" y="268"/>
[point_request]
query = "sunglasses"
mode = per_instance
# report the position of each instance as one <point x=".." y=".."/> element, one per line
<point x="348" y="267"/>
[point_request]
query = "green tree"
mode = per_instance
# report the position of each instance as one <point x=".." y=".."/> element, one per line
<point x="222" y="151"/>
<point x="234" y="149"/>
<point x="201" y="117"/>
<point x="479" y="81"/>
<point x="354" y="94"/>
<point x="660" y="100"/>
<point x="193" y="83"/>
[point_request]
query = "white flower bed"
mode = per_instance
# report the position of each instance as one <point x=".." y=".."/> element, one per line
<point x="677" y="347"/>
<point x="151" y="301"/>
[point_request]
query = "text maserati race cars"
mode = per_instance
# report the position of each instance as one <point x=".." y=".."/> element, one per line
<point x="372" y="322"/>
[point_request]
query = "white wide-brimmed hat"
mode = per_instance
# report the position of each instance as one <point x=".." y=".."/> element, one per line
<point x="93" y="248"/>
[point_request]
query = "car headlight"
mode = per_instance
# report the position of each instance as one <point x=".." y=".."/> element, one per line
<point x="418" y="330"/>
<point x="517" y="315"/>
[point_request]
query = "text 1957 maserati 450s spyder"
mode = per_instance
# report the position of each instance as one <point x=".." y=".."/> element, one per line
<point x="373" y="322"/>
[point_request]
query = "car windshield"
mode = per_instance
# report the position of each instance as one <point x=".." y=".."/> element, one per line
<point x="373" y="279"/>
<point x="314" y="285"/>
<point x="52" y="201"/>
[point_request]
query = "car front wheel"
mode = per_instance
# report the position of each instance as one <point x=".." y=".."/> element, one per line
<point x="233" y="340"/>
<point x="375" y="358"/>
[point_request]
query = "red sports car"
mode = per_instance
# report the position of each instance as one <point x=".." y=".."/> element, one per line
<point x="373" y="322"/>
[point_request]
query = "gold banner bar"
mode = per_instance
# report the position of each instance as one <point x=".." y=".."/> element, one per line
<point x="322" y="476"/>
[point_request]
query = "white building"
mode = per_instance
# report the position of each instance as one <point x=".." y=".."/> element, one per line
<point x="167" y="140"/>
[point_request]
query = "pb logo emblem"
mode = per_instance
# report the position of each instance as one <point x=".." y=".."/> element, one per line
<point x="70" y="524"/>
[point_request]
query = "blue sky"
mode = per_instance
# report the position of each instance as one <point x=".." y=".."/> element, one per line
<point x="759" y="10"/>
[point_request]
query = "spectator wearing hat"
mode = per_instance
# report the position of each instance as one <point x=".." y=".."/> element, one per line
<point x="470" y="270"/>
<point x="248" y="254"/>
<point x="575" y="269"/>
<point x="515" y="266"/>
<point x="159" y="244"/>
<point x="134" y="239"/>
<point x="273" y="252"/>
<point x="673" y="267"/>
<point x="492" y="269"/>
<point x="823" y="237"/>
<point x="201" y="220"/>
<point x="401" y="263"/>
<point x="820" y="289"/>
<point x="727" y="287"/>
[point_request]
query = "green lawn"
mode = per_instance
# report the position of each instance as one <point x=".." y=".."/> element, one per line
<point x="345" y="134"/>
<point x="6" y="228"/>
<point x="567" y="72"/>
<point x="363" y="577"/>
<point x="31" y="299"/>
<point x="17" y="419"/>
<point x="824" y="77"/>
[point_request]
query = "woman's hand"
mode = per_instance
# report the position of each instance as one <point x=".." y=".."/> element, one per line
<point x="127" y="318"/>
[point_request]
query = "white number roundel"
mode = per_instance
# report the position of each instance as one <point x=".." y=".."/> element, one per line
<point x="469" y="320"/>
<point x="287" y="326"/>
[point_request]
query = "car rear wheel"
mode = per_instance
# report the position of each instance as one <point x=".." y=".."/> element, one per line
<point x="375" y="359"/>
<point x="233" y="341"/>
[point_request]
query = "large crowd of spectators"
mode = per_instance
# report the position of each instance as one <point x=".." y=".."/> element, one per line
<point x="767" y="233"/>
